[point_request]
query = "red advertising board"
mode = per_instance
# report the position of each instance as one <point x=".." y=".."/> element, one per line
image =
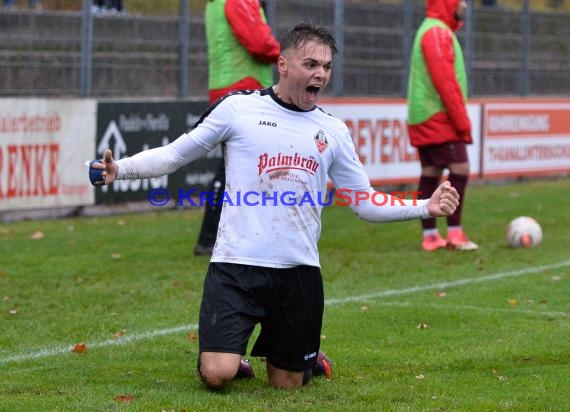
<point x="526" y="138"/>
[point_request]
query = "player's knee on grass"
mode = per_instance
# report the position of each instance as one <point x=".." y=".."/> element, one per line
<point x="217" y="372"/>
<point x="214" y="378"/>
<point x="282" y="379"/>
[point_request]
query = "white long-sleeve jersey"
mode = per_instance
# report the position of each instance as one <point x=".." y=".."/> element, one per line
<point x="277" y="160"/>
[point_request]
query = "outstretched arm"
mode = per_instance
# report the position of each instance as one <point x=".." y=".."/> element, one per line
<point x="349" y="177"/>
<point x="388" y="208"/>
<point x="210" y="131"/>
<point x="381" y="207"/>
<point x="155" y="162"/>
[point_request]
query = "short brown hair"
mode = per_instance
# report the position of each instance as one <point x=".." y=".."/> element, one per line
<point x="305" y="32"/>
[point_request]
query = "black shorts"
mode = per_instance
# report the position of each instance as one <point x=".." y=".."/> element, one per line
<point x="442" y="155"/>
<point x="288" y="303"/>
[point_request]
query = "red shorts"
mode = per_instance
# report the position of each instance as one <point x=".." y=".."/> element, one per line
<point x="442" y="155"/>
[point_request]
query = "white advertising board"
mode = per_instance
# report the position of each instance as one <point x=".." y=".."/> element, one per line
<point x="44" y="144"/>
<point x="381" y="138"/>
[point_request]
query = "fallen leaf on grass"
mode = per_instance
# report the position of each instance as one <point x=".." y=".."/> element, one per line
<point x="192" y="336"/>
<point x="115" y="255"/>
<point x="124" y="398"/>
<point x="364" y="308"/>
<point x="502" y="378"/>
<point x="512" y="302"/>
<point x="79" y="347"/>
<point x="37" y="235"/>
<point x="120" y="333"/>
<point x="440" y="294"/>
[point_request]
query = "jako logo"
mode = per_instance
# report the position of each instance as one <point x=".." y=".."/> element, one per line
<point x="264" y="123"/>
<point x="310" y="355"/>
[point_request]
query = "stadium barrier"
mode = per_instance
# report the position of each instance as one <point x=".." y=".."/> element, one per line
<point x="129" y="127"/>
<point x="525" y="138"/>
<point x="379" y="132"/>
<point x="45" y="143"/>
<point x="511" y="137"/>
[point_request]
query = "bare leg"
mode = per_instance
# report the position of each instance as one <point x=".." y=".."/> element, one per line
<point x="218" y="369"/>
<point x="282" y="379"/>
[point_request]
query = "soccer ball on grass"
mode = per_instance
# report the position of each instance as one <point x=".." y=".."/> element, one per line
<point x="523" y="232"/>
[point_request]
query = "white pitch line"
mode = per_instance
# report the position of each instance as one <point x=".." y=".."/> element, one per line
<point x="480" y="309"/>
<point x="445" y="285"/>
<point x="57" y="350"/>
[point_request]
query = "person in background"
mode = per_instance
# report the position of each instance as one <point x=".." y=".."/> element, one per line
<point x="241" y="53"/>
<point x="438" y="123"/>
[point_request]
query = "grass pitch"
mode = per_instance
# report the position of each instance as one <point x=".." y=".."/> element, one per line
<point x="407" y="330"/>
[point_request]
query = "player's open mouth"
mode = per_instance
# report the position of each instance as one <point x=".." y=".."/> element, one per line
<point x="312" y="92"/>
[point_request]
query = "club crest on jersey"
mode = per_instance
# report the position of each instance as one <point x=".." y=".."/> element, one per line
<point x="321" y="141"/>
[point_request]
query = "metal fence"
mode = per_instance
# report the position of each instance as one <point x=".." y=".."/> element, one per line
<point x="82" y="53"/>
